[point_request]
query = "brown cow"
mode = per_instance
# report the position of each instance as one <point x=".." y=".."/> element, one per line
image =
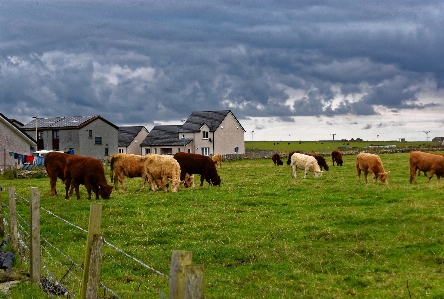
<point x="370" y="163"/>
<point x="198" y="164"/>
<point x="89" y="172"/>
<point x="217" y="158"/>
<point x="277" y="159"/>
<point x="55" y="166"/>
<point x="336" y="156"/>
<point x="427" y="162"/>
<point x="128" y="165"/>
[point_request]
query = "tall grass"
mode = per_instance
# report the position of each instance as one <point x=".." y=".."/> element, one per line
<point x="263" y="234"/>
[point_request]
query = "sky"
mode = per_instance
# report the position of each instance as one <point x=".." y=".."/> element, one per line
<point x="288" y="70"/>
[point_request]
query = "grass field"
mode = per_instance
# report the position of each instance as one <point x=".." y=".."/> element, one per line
<point x="263" y="234"/>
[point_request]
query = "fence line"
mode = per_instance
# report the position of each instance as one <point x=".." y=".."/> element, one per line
<point x="24" y="226"/>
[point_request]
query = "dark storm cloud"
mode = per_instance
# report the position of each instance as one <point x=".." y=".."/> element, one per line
<point x="136" y="62"/>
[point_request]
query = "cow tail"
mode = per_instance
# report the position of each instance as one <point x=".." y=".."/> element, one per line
<point x="111" y="166"/>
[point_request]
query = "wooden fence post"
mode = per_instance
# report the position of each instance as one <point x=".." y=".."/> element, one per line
<point x="35" y="258"/>
<point x="94" y="267"/>
<point x="179" y="259"/>
<point x="2" y="224"/>
<point x="13" y="219"/>
<point x="194" y="281"/>
<point x="95" y="216"/>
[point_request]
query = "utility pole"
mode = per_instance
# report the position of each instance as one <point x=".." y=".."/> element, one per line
<point x="252" y="132"/>
<point x="333" y="136"/>
<point x="427" y="134"/>
<point x="36" y="134"/>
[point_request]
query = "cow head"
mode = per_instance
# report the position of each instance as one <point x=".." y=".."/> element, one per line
<point x="339" y="162"/>
<point x="383" y="176"/>
<point x="280" y="162"/>
<point x="317" y="173"/>
<point x="175" y="185"/>
<point x="105" y="191"/>
<point x="189" y="180"/>
<point x="216" y="180"/>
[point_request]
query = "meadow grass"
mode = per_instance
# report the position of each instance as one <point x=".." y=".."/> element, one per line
<point x="263" y="234"/>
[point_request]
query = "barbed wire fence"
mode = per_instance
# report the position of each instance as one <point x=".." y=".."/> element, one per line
<point x="62" y="274"/>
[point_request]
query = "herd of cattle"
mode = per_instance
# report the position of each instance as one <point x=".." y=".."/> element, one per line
<point x="161" y="171"/>
<point x="366" y="163"/>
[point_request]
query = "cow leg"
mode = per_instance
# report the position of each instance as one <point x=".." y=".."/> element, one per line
<point x="52" y="182"/>
<point x="116" y="181"/>
<point x="67" y="185"/>
<point x="430" y="175"/>
<point x="293" y="171"/>
<point x="413" y="174"/>
<point x="122" y="181"/>
<point x="76" y="187"/>
<point x="365" y="176"/>
<point x="305" y="173"/>
<point x="358" y="170"/>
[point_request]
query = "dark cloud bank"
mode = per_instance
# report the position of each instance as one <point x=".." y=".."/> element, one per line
<point x="134" y="62"/>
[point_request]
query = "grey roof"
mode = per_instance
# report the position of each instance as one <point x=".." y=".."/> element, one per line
<point x="127" y="134"/>
<point x="197" y="119"/>
<point x="64" y="122"/>
<point x="167" y="135"/>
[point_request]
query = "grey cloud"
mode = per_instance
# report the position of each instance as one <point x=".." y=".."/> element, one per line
<point x="134" y="62"/>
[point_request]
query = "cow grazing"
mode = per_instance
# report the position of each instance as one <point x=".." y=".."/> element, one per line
<point x="198" y="164"/>
<point x="217" y="158"/>
<point x="162" y="170"/>
<point x="55" y="166"/>
<point x="277" y="159"/>
<point x="336" y="156"/>
<point x="427" y="162"/>
<point x="89" y="172"/>
<point x="370" y="163"/>
<point x="128" y="165"/>
<point x="306" y="162"/>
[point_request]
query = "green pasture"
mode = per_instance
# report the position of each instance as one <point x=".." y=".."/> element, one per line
<point x="327" y="146"/>
<point x="263" y="234"/>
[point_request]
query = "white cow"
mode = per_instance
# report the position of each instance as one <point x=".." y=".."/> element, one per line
<point x="306" y="162"/>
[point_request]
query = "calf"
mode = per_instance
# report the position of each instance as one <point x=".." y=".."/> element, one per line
<point x="336" y="156"/>
<point x="306" y="162"/>
<point x="277" y="159"/>
<point x="89" y="172"/>
<point x="126" y="165"/>
<point x="161" y="169"/>
<point x="427" y="162"/>
<point x="198" y="164"/>
<point x="217" y="158"/>
<point x="370" y="163"/>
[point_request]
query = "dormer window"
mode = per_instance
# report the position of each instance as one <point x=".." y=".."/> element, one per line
<point x="204" y="134"/>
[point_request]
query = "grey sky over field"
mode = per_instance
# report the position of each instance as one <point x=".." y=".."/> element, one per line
<point x="289" y="70"/>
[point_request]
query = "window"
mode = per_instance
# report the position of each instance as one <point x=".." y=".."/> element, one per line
<point x="206" y="151"/>
<point x="106" y="151"/>
<point x="120" y="150"/>
<point x="155" y="150"/>
<point x="178" y="149"/>
<point x="55" y="134"/>
<point x="204" y="134"/>
<point x="147" y="151"/>
<point x="189" y="150"/>
<point x="236" y="150"/>
<point x="98" y="140"/>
